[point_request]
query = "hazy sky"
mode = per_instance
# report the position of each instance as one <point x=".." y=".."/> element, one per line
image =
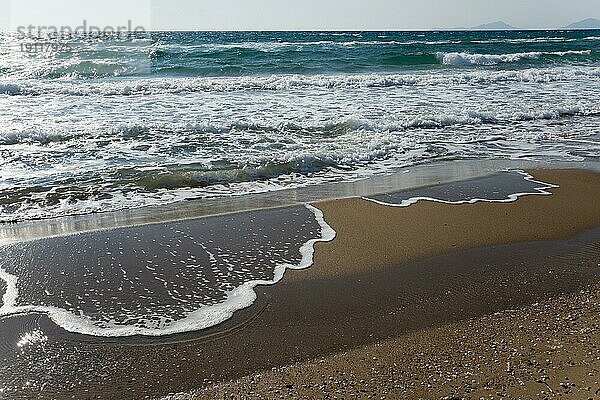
<point x="296" y="14"/>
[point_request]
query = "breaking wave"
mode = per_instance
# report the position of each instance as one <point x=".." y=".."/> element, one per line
<point x="158" y="86"/>
<point x="462" y="59"/>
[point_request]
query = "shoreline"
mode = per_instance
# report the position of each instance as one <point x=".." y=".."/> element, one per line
<point x="410" y="177"/>
<point x="429" y="228"/>
<point x="370" y="285"/>
<point x="299" y="321"/>
<point x="364" y="222"/>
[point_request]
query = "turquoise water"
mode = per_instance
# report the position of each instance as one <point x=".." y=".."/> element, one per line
<point x="107" y="123"/>
<point x="218" y="54"/>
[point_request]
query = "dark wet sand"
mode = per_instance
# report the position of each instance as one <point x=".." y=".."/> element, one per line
<point x="370" y="287"/>
<point x="549" y="350"/>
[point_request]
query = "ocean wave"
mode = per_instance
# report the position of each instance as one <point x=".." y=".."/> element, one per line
<point x="30" y="136"/>
<point x="160" y="86"/>
<point x="525" y="40"/>
<point x="462" y="59"/>
<point x="300" y="164"/>
<point x="325" y="130"/>
<point x="272" y="46"/>
<point x="257" y="59"/>
<point x="364" y="148"/>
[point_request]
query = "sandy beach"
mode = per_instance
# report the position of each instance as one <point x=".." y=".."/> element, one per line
<point x="548" y="350"/>
<point x="365" y="229"/>
<point x="299" y="200"/>
<point x="428" y="301"/>
<point x="545" y="350"/>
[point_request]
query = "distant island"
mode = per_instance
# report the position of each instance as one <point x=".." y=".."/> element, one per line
<point x="588" y="23"/>
<point x="495" y="26"/>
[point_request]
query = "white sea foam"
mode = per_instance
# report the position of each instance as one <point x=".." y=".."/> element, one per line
<point x="30" y="136"/>
<point x="158" y="86"/>
<point x="397" y="43"/>
<point x="9" y="300"/>
<point x="542" y="190"/>
<point x="282" y="155"/>
<point x="462" y="59"/>
<point x="343" y="126"/>
<point x="205" y="317"/>
<point x="553" y="39"/>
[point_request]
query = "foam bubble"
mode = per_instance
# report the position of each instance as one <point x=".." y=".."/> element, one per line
<point x="203" y="317"/>
<point x="536" y="188"/>
<point x="9" y="299"/>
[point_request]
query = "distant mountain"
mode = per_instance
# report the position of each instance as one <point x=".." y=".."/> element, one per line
<point x="590" y="23"/>
<point x="494" y="26"/>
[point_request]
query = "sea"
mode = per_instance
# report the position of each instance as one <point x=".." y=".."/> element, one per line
<point x="104" y="123"/>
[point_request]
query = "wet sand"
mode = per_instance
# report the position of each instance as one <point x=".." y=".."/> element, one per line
<point x="550" y="350"/>
<point x="397" y="284"/>
<point x="371" y="236"/>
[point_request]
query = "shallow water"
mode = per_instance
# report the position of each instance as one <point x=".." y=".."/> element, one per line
<point x="502" y="187"/>
<point x="123" y="123"/>
<point x="157" y="279"/>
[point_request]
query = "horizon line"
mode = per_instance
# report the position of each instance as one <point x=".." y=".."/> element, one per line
<point x="351" y="30"/>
